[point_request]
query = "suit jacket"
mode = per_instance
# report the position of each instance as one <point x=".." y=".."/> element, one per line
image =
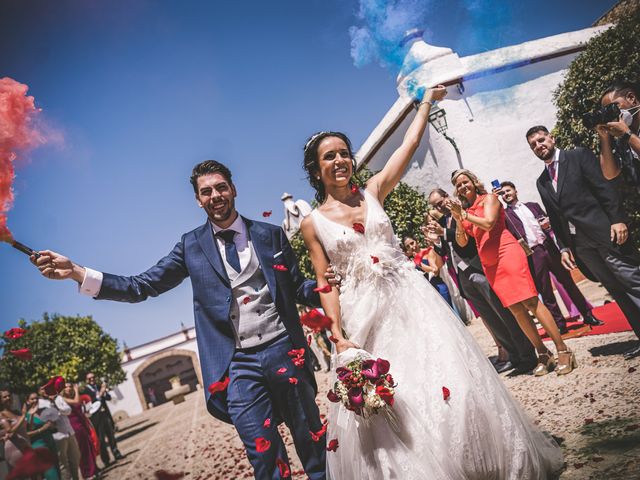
<point x="196" y="256"/>
<point x="584" y="198"/>
<point x="516" y="227"/>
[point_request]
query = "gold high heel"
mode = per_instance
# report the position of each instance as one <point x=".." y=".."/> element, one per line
<point x="565" y="368"/>
<point x="546" y="364"/>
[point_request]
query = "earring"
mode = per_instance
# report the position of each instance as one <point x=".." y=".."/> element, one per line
<point x="318" y="178"/>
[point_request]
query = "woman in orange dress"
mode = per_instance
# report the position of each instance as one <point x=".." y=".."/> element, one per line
<point x="506" y="268"/>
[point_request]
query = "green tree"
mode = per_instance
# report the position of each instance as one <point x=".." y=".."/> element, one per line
<point x="612" y="55"/>
<point x="405" y="207"/>
<point x="60" y="345"/>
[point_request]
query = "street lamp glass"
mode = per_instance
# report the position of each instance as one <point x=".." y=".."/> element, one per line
<point x="438" y="118"/>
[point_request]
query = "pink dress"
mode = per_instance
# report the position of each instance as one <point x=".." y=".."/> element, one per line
<point x="80" y="425"/>
<point x="503" y="259"/>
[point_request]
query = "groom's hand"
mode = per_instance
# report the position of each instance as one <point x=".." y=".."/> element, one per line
<point x="619" y="233"/>
<point x="57" y="267"/>
<point x="332" y="277"/>
<point x="343" y="344"/>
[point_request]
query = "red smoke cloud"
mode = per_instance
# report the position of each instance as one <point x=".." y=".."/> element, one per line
<point x="18" y="132"/>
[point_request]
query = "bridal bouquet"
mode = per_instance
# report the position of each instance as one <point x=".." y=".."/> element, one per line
<point x="364" y="385"/>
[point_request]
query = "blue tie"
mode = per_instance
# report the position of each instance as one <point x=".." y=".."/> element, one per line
<point x="230" y="249"/>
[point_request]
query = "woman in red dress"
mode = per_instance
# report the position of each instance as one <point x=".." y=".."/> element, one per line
<point x="505" y="265"/>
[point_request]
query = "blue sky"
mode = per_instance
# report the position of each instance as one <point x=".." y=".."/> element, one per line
<point x="144" y="90"/>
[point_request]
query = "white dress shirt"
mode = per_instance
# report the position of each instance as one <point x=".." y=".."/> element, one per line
<point x="532" y="229"/>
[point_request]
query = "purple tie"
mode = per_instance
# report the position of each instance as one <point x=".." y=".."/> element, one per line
<point x="552" y="170"/>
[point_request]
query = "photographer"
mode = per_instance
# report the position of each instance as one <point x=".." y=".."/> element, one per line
<point x="619" y="140"/>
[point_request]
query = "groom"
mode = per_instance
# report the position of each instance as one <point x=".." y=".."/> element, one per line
<point x="245" y="281"/>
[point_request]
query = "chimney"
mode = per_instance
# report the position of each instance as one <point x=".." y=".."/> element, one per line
<point x="426" y="65"/>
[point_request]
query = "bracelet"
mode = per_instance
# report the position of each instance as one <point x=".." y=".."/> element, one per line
<point x="417" y="104"/>
<point x="464" y="214"/>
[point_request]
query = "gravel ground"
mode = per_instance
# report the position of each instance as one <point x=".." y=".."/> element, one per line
<point x="595" y="411"/>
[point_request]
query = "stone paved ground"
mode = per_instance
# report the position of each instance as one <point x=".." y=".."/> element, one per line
<point x="595" y="410"/>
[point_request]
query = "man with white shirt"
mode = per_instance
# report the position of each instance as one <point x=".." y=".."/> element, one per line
<point x="246" y="281"/>
<point x="586" y="214"/>
<point x="525" y="221"/>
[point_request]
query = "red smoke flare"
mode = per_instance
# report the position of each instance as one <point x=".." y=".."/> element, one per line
<point x="17" y="132"/>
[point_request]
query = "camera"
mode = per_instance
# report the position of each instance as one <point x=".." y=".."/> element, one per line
<point x="607" y="114"/>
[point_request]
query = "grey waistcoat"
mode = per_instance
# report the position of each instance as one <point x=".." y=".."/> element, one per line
<point x="253" y="314"/>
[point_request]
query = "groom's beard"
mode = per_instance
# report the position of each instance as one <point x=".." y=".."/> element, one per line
<point x="221" y="215"/>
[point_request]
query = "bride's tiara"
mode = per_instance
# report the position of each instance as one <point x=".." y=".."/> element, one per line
<point x="313" y="137"/>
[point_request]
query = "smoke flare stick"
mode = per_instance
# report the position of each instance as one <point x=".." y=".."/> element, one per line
<point x="23" y="248"/>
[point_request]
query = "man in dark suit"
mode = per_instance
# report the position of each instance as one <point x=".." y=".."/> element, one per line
<point x="245" y="281"/>
<point x="586" y="215"/>
<point x="524" y="222"/>
<point x="102" y="420"/>
<point x="473" y="285"/>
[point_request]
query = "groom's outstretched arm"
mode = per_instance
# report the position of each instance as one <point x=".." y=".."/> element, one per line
<point x="169" y="272"/>
<point x="304" y="287"/>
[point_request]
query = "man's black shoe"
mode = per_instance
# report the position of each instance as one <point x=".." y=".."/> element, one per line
<point x="633" y="353"/>
<point x="590" y="319"/>
<point x="522" y="369"/>
<point x="118" y="455"/>
<point x="503" y="366"/>
<point x="563" y="329"/>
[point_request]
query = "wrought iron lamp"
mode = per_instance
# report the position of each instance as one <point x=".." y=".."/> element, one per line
<point x="438" y="119"/>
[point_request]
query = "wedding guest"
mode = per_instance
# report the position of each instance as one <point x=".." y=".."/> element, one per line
<point x="505" y="265"/>
<point x="64" y="435"/>
<point x="40" y="433"/>
<point x="429" y="262"/>
<point x="102" y="420"/>
<point x="14" y="429"/>
<point x="572" y="310"/>
<point x="529" y="222"/>
<point x="82" y="428"/>
<point x="586" y="214"/>
<point x="475" y="287"/>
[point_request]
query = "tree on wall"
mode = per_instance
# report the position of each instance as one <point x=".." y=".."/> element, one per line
<point x="59" y="345"/>
<point x="405" y="207"/>
<point x="612" y="55"/>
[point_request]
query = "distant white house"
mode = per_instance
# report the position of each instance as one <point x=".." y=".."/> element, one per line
<point x="494" y="97"/>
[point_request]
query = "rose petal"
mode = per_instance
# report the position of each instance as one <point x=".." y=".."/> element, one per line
<point x="358" y="227"/>
<point x="631" y="369"/>
<point x="216" y="387"/>
<point x="333" y="445"/>
<point x="578" y="465"/>
<point x="316" y="320"/>
<point x="33" y="462"/>
<point x="299" y="352"/>
<point x="84" y="398"/>
<point x="333" y="339"/>
<point x="587" y="421"/>
<point x="446" y="393"/>
<point x="266" y="213"/>
<point x="293" y="380"/>
<point x="280" y="268"/>
<point x="262" y="444"/>
<point x="354" y="189"/>
<point x="164" y="475"/>
<point x="246" y="300"/>
<point x="309" y="339"/>
<point x="22" y="354"/>
<point x="332" y="396"/>
<point x="298" y="362"/>
<point x="374" y="259"/>
<point x="285" y="471"/>
<point x="15" y="333"/>
<point x="316" y="436"/>
<point x="325" y="289"/>
<point x="281" y="371"/>
<point x="267" y="423"/>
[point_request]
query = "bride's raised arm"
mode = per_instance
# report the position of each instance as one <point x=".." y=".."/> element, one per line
<point x="385" y="181"/>
<point x="330" y="301"/>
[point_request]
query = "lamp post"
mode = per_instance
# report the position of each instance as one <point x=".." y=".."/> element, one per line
<point x="438" y="119"/>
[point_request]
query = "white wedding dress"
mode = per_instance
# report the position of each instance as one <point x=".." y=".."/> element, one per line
<point x="391" y="311"/>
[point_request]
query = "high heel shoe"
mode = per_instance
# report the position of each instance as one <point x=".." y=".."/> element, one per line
<point x="567" y="366"/>
<point x="546" y="364"/>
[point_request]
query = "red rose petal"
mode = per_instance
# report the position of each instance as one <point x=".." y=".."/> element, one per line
<point x="84" y="398"/>
<point x="262" y="444"/>
<point x="446" y="393"/>
<point x="375" y="259"/>
<point x="285" y="472"/>
<point x="354" y="189"/>
<point x="15" y="333"/>
<point x="333" y="445"/>
<point x="266" y="213"/>
<point x="309" y="339"/>
<point x="325" y="289"/>
<point x="316" y="320"/>
<point x="358" y="227"/>
<point x="293" y="380"/>
<point x="333" y="339"/>
<point x="246" y="300"/>
<point x="281" y="371"/>
<point x="267" y="423"/>
<point x="316" y="436"/>
<point x="22" y="354"/>
<point x="164" y="475"/>
<point x="587" y="421"/>
<point x="216" y="387"/>
<point x="32" y="463"/>
<point x="280" y="268"/>
<point x="631" y="369"/>
<point x="299" y="352"/>
<point x="578" y="465"/>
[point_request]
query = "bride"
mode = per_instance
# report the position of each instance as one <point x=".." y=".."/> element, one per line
<point x="385" y="307"/>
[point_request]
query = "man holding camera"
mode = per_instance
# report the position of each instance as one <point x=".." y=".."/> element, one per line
<point x="618" y="126"/>
<point x="586" y="215"/>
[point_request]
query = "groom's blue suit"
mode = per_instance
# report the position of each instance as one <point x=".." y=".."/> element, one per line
<point x="197" y="256"/>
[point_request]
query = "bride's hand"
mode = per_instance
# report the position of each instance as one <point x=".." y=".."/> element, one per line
<point x="344" y="344"/>
<point x="436" y="93"/>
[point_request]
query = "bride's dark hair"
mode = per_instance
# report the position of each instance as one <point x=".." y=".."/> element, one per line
<point x="310" y="163"/>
